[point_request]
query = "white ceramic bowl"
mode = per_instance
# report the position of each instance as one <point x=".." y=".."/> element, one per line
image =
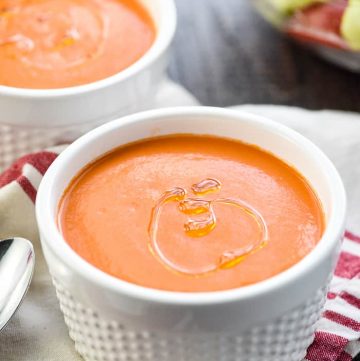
<point x="110" y="319"/>
<point x="32" y="119"/>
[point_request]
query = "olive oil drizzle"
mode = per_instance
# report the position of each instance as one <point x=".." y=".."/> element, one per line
<point x="200" y="222"/>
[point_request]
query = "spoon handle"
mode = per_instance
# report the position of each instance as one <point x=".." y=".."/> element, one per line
<point x="16" y="268"/>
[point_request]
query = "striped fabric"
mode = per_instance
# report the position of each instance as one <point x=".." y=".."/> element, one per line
<point x="338" y="331"/>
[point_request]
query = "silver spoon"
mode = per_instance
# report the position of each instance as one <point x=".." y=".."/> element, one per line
<point x="17" y="260"/>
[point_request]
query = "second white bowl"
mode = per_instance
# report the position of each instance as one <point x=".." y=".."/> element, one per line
<point x="33" y="119"/>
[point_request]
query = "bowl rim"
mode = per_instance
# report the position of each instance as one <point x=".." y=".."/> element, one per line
<point x="52" y="239"/>
<point x="164" y="36"/>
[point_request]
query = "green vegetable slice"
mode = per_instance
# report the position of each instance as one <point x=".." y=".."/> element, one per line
<point x="350" y="24"/>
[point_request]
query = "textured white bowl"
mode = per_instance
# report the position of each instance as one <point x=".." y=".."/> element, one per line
<point x="110" y="319"/>
<point x="32" y="119"/>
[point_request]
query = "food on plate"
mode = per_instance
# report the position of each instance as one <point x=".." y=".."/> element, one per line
<point x="333" y="23"/>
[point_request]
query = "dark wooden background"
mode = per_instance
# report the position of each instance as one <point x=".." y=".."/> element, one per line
<point x="225" y="54"/>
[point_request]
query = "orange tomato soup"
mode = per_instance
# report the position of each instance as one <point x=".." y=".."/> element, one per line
<point x="190" y="213"/>
<point x="63" y="43"/>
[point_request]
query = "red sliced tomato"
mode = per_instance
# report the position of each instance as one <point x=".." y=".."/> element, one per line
<point x="319" y="23"/>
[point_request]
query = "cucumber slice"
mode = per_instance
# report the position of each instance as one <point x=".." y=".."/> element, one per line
<point x="350" y="25"/>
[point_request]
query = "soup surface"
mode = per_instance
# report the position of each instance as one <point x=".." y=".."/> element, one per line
<point x="190" y="213"/>
<point x="63" y="43"/>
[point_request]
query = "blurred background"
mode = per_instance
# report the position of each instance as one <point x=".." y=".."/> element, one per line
<point x="225" y="54"/>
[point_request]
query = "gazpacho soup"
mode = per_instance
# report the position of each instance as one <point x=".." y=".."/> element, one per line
<point x="190" y="213"/>
<point x="63" y="43"/>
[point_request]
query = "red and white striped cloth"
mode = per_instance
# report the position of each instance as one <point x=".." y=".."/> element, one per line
<point x="338" y="332"/>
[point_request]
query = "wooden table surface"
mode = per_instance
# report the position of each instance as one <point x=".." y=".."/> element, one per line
<point x="226" y="54"/>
